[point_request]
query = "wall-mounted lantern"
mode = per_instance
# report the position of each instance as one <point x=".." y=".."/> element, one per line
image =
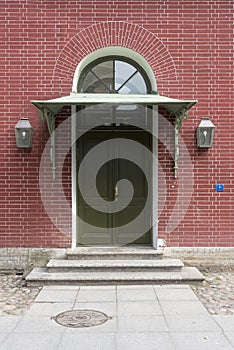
<point x="23" y="133"/>
<point x="205" y="133"/>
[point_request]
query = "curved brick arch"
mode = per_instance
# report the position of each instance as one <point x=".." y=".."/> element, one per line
<point x="123" y="34"/>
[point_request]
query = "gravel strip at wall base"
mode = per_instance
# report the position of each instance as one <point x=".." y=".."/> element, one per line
<point x="15" y="296"/>
<point x="217" y="292"/>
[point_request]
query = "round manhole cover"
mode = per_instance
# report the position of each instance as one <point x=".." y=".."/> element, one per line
<point x="81" y="318"/>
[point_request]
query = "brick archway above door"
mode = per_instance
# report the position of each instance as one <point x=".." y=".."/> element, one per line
<point x="106" y="34"/>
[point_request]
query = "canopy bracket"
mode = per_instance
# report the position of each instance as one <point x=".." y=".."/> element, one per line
<point x="50" y="120"/>
<point x="180" y="117"/>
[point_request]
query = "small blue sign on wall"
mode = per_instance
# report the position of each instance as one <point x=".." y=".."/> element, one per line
<point x="219" y="187"/>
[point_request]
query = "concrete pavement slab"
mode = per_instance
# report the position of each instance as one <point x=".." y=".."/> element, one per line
<point x="176" y="294"/>
<point x="96" y="295"/>
<point x="226" y="322"/>
<point x="135" y="295"/>
<point x="57" y="296"/>
<point x="9" y="323"/>
<point x="142" y="324"/>
<point x="230" y="337"/>
<point x="183" y="308"/>
<point x="78" y="341"/>
<point x="192" y="324"/>
<point x="171" y="286"/>
<point x="201" y="341"/>
<point x="48" y="309"/>
<point x="104" y="287"/>
<point x="134" y="287"/>
<point x="139" y="308"/>
<point x="32" y="341"/>
<point x="109" y="308"/>
<point x="144" y="341"/>
<point x="38" y="324"/>
<point x="66" y="288"/>
<point x="3" y="337"/>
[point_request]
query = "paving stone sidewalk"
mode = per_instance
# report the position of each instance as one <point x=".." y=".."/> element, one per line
<point x="216" y="293"/>
<point x="141" y="317"/>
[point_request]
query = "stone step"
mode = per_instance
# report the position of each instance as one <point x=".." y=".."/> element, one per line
<point x="41" y="276"/>
<point x="113" y="253"/>
<point x="56" y="265"/>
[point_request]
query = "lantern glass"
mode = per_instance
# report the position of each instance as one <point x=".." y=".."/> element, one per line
<point x="23" y="133"/>
<point x="205" y="134"/>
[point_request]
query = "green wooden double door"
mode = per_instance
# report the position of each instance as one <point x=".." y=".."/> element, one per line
<point x="106" y="204"/>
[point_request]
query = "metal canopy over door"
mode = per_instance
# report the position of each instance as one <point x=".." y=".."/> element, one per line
<point x="178" y="108"/>
<point x="101" y="226"/>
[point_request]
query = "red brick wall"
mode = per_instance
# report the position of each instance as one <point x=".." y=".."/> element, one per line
<point x="189" y="45"/>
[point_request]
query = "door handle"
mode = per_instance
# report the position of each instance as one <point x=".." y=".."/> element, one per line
<point x="116" y="193"/>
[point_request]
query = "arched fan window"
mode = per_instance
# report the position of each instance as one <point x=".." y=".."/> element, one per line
<point x="114" y="75"/>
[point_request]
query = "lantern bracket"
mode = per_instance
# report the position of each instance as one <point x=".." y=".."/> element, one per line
<point x="50" y="120"/>
<point x="180" y="117"/>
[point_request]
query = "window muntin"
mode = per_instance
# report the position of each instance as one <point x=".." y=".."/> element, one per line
<point x="114" y="75"/>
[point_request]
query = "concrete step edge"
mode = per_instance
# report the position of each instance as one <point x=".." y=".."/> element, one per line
<point x="186" y="275"/>
<point x="78" y="253"/>
<point x="167" y="263"/>
<point x="113" y="250"/>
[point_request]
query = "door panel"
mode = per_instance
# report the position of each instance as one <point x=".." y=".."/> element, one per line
<point x="105" y="225"/>
<point x="96" y="231"/>
<point x="137" y="174"/>
<point x="95" y="222"/>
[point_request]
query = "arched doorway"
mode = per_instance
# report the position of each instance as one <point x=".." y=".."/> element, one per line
<point x="119" y="127"/>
